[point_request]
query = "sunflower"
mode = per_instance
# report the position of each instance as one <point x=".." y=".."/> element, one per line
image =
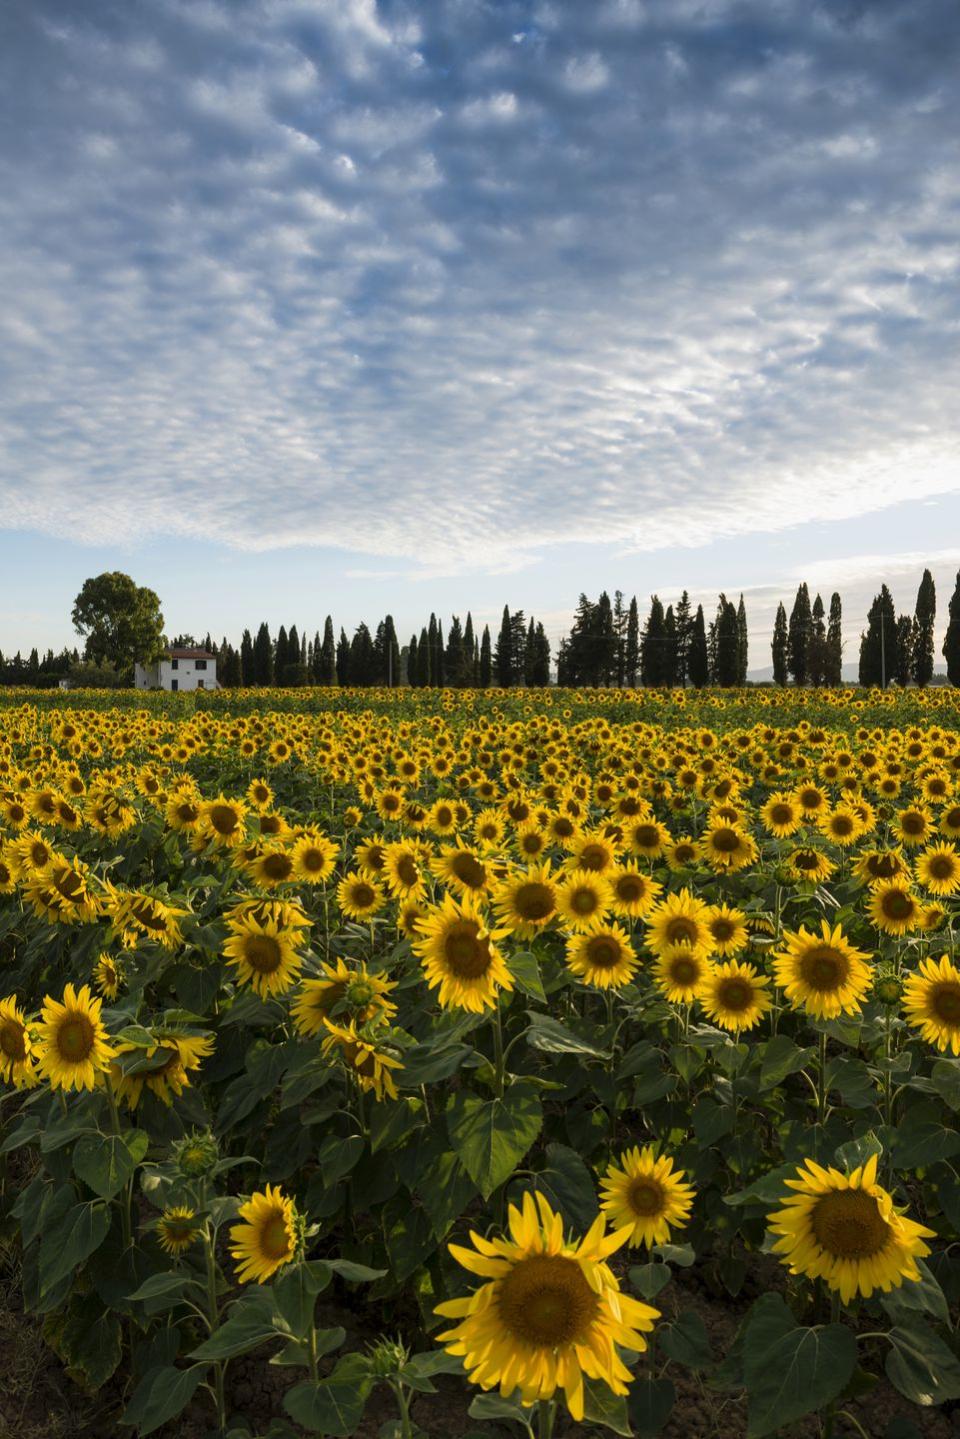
<point x="681" y="972"/>
<point x="550" y="1312"/>
<point x="810" y="865"/>
<point x="648" y="838"/>
<point x="359" y="897"/>
<point x="876" y="864"/>
<point x="108" y="976"/>
<point x="727" y="848"/>
<point x="8" y="869"/>
<point x="844" y="1229"/>
<point x="931" y="1002"/>
<point x="527" y="902"/>
<point x="894" y="907"/>
<point x="602" y="955"/>
<point x="267" y="1239"/>
<point x="409" y="917"/>
<point x="371" y="856"/>
<point x="728" y="930"/>
<point x="342" y="990"/>
<point x="404" y="868"/>
<point x="171" y="1056"/>
<point x="647" y="1194"/>
<point x="782" y="814"/>
<point x="458" y="867"/>
<point x="735" y="996"/>
<point x="582" y="898"/>
<point x="681" y="919"/>
<point x="842" y="825"/>
<point x="260" y="794"/>
<point x="61" y="894"/>
<point x="364" y="1054"/>
<point x="938" y="869"/>
<point x="222" y="821"/>
<point x="264" y="953"/>
<point x="914" y="825"/>
<point x="593" y="850"/>
<point x="183" y="811"/>
<point x="632" y="893"/>
<point x="683" y="854"/>
<point x="16" y="1047"/>
<point x="147" y="917"/>
<point x="822" y="974"/>
<point x="177" y="1229"/>
<point x="73" y="1051"/>
<point x="314" y="856"/>
<point x="460" y="957"/>
<point x="489" y="829"/>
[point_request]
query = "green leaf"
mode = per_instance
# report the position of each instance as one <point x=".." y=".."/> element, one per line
<point x="649" y="1279"/>
<point x="768" y="1190"/>
<point x="781" y="1058"/>
<point x="160" y="1286"/>
<point x="552" y="1037"/>
<point x="649" y="1404"/>
<point x="856" y="1152"/>
<point x="526" y="971"/>
<point x="335" y="1405"/>
<point x="921" y="1366"/>
<point x="429" y="1063"/>
<point x="295" y="1292"/>
<point x="81" y="1232"/>
<point x="919" y="1143"/>
<point x="336" y="1157"/>
<point x="569" y="1186"/>
<point x="106" y="1162"/>
<point x="91" y="1339"/>
<point x="946" y="1081"/>
<point x="354" y="1273"/>
<point x="685" y="1341"/>
<point x="922" y="1295"/>
<point x="602" y="1406"/>
<point x="796" y="1373"/>
<point x="161" y="1395"/>
<point x="492" y="1136"/>
<point x="683" y="1255"/>
<point x="492" y="1406"/>
<point x="250" y="1321"/>
<point x="392" y="1120"/>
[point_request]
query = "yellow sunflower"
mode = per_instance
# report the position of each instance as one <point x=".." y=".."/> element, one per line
<point x="931" y="1002"/>
<point x="314" y="856"/>
<point x="364" y="1054"/>
<point x="582" y="898"/>
<point x="602" y="955"/>
<point x="938" y="869"/>
<point x="463" y="871"/>
<point x="823" y="974"/>
<point x="526" y="902"/>
<point x="265" y="954"/>
<point x="680" y="919"/>
<point x="352" y="992"/>
<point x="405" y="868"/>
<point x="876" y="864"/>
<point x="172" y="1056"/>
<point x="727" y="848"/>
<point x="460" y="957"/>
<point x="16" y="1046"/>
<point x="647" y="1194"/>
<point x="271" y="867"/>
<point x="914" y="825"/>
<point x="108" y="976"/>
<point x="73" y="1050"/>
<point x="222" y="821"/>
<point x="632" y="893"/>
<point x="267" y="1239"/>
<point x="177" y="1229"/>
<point x="782" y="814"/>
<point x="359" y="897"/>
<point x="681" y="972"/>
<point x="728" y="930"/>
<point x="894" y="907"/>
<point x="550" y="1312"/>
<point x="844" y="1229"/>
<point x="810" y="865"/>
<point x="735" y="996"/>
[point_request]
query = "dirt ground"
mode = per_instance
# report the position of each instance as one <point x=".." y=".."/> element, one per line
<point x="38" y="1401"/>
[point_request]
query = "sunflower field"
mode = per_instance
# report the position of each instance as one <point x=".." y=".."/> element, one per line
<point x="485" y="1063"/>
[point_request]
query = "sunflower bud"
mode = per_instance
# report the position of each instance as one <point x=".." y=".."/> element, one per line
<point x="196" y="1155"/>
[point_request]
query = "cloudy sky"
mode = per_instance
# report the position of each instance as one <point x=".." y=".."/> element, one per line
<point x="341" y="306"/>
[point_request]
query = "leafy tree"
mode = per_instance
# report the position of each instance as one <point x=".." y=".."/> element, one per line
<point x="263" y="657"/>
<point x="951" y="640"/>
<point x="878" y="645"/>
<point x="652" y="645"/>
<point x="246" y="659"/>
<point x="833" y="672"/>
<point x="503" y="661"/>
<point x="413" y="663"/>
<point x="905" y="641"/>
<point x="698" y="669"/>
<point x="120" y="621"/>
<point x="817" y="653"/>
<point x="778" y="646"/>
<point x="728" y="644"/>
<point x="632" y="646"/>
<point x="343" y="658"/>
<point x="486" y="659"/>
<point x="925" y="616"/>
<point x="799" y="631"/>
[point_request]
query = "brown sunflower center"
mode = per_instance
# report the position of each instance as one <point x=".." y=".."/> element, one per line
<point x="603" y="952"/>
<point x="546" y="1301"/>
<point x="897" y="904"/>
<point x="68" y="883"/>
<point x="824" y="968"/>
<point x="275" y="1237"/>
<point x="725" y="841"/>
<point x="469" y="871"/>
<point x="630" y="888"/>
<point x="941" y="867"/>
<point x="224" y="819"/>
<point x="466" y="952"/>
<point x="313" y="860"/>
<point x="263" y="953"/>
<point x="593" y="856"/>
<point x="722" y="929"/>
<point x="407" y="871"/>
<point x="534" y="901"/>
<point x="735" y="994"/>
<point x="646" y="836"/>
<point x="12" y="1040"/>
<point x="913" y="823"/>
<point x="944" y="1001"/>
<point x="645" y="1196"/>
<point x="277" y="866"/>
<point x="362" y="896"/>
<point x="848" y="1224"/>
<point x="781" y="814"/>
<point x="841" y="825"/>
<point x="684" y="969"/>
<point x="682" y="930"/>
<point x="584" y="901"/>
<point x="75" y="1038"/>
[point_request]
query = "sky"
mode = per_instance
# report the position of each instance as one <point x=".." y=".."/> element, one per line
<point x="336" y="306"/>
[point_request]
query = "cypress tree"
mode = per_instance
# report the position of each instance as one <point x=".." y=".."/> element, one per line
<point x="728" y="644"/>
<point x="440" y="669"/>
<point x="743" y="643"/>
<point x="605" y="654"/>
<point x="529" y="654"/>
<point x="620" y="638"/>
<point x="292" y="672"/>
<point x="391" y="656"/>
<point x="413" y="668"/>
<point x="669" y="675"/>
<point x="778" y="646"/>
<point x="798" y="635"/>
<point x="951" y="640"/>
<point x="246" y="659"/>
<point x="423" y="663"/>
<point x="453" y="658"/>
<point x="486" y="659"/>
<point x="697" y="658"/>
<point x="878" y="645"/>
<point x="343" y="658"/>
<point x="833" y="670"/>
<point x="652" y="645"/>
<point x="315" y="658"/>
<point x="468" y="673"/>
<point x="684" y="633"/>
<point x="231" y="671"/>
<point x="925" y="616"/>
<point x="327" y="669"/>
<point x="263" y="657"/>
<point x="503" y="654"/>
<point x="280" y="656"/>
<point x="817" y="654"/>
<point x="538" y="656"/>
<point x="432" y="651"/>
<point x="905" y="641"/>
<point x="632" y="646"/>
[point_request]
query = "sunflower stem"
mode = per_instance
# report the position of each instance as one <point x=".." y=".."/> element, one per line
<point x="546" y="1415"/>
<point x="213" y="1311"/>
<point x="498" y="1059"/>
<point x="822" y="1080"/>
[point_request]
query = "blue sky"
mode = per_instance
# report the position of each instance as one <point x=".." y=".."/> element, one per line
<point x="334" y="306"/>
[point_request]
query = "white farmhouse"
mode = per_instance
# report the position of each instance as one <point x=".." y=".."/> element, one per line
<point x="180" y="669"/>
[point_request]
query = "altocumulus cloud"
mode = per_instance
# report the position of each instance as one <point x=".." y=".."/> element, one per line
<point x="456" y="281"/>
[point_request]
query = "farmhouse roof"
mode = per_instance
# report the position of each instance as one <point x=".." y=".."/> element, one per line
<point x="178" y="652"/>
